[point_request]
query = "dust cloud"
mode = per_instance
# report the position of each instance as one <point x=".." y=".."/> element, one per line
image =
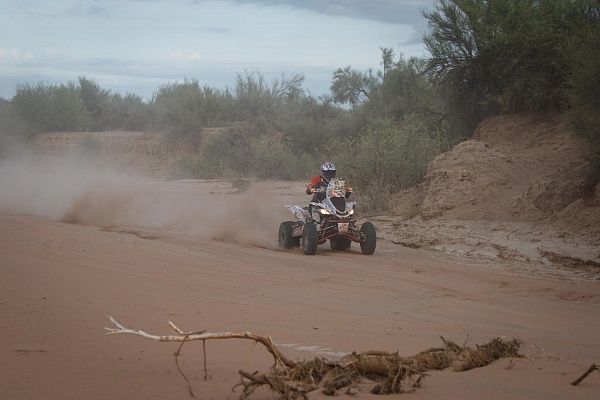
<point x="73" y="190"/>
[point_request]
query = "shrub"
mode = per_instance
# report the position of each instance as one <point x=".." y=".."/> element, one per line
<point x="243" y="153"/>
<point x="583" y="96"/>
<point x="383" y="159"/>
<point x="51" y="108"/>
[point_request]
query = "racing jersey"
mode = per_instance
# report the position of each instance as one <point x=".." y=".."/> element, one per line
<point x="316" y="182"/>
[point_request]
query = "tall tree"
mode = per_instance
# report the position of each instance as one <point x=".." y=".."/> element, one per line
<point x="387" y="59"/>
<point x="492" y="57"/>
<point x="96" y="101"/>
<point x="353" y="87"/>
<point x="50" y="108"/>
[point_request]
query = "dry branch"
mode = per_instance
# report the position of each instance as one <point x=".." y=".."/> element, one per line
<point x="392" y="374"/>
<point x="203" y="335"/>
<point x="594" y="367"/>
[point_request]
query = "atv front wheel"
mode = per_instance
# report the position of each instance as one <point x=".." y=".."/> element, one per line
<point x="286" y="240"/>
<point x="309" y="238"/>
<point x="368" y="238"/>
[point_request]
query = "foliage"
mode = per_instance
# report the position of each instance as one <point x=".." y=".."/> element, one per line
<point x="111" y="111"/>
<point x="401" y="91"/>
<point x="353" y="87"/>
<point x="504" y="56"/>
<point x="50" y="108"/>
<point x="315" y="122"/>
<point x="81" y="106"/>
<point x="583" y="91"/>
<point x="183" y="109"/>
<point x="384" y="159"/>
<point x="406" y="93"/>
<point x="10" y="129"/>
<point x="96" y="101"/>
<point x="583" y="96"/>
<point x="258" y="157"/>
<point x="10" y="123"/>
<point x="305" y="135"/>
<point x="127" y="113"/>
<point x="269" y="105"/>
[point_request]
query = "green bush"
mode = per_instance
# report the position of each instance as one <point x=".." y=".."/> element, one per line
<point x="384" y="159"/>
<point x="583" y="95"/>
<point x="179" y="111"/>
<point x="305" y="135"/>
<point x="504" y="56"/>
<point x="128" y="113"/>
<point x="233" y="155"/>
<point x="51" y="108"/>
<point x="10" y="123"/>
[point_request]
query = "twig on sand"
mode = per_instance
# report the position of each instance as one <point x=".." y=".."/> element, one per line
<point x="594" y="367"/>
<point x="203" y="335"/>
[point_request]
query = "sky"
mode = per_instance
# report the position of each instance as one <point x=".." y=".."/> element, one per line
<point x="135" y="46"/>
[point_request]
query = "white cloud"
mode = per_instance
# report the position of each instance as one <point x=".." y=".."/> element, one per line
<point x="176" y="55"/>
<point x="180" y="54"/>
<point x="194" y="55"/>
<point x="56" y="51"/>
<point x="15" y="55"/>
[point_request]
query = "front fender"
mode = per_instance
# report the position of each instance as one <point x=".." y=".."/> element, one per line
<point x="300" y="213"/>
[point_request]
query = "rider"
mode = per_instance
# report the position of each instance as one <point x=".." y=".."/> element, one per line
<point x="321" y="181"/>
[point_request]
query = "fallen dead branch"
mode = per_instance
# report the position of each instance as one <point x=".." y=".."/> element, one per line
<point x="203" y="335"/>
<point x="594" y="367"/>
<point x="389" y="372"/>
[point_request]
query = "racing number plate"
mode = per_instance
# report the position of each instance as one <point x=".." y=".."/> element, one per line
<point x="343" y="227"/>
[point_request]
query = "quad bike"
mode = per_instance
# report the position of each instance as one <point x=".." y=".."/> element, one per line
<point x="332" y="219"/>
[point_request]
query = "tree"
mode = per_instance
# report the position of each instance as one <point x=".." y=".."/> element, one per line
<point x="96" y="101"/>
<point x="387" y="59"/>
<point x="51" y="108"/>
<point x="583" y="94"/>
<point x="353" y="87"/>
<point x="502" y="56"/>
<point x="128" y="112"/>
<point x="453" y="65"/>
<point x="10" y="123"/>
<point x="407" y="93"/>
<point x="258" y="100"/>
<point x="383" y="159"/>
<point x="179" y="109"/>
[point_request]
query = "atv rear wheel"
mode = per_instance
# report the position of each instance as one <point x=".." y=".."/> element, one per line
<point x="309" y="238"/>
<point x="340" y="243"/>
<point x="286" y="240"/>
<point x="368" y="238"/>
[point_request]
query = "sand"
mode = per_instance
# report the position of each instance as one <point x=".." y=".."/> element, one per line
<point x="200" y="255"/>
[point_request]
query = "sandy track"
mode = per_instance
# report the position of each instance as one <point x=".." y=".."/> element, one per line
<point x="60" y="282"/>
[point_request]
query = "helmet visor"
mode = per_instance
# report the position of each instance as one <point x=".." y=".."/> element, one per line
<point x="328" y="175"/>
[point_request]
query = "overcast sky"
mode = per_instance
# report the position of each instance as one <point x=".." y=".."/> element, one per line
<point x="137" y="45"/>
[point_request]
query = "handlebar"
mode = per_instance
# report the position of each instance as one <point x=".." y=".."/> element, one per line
<point x="323" y="189"/>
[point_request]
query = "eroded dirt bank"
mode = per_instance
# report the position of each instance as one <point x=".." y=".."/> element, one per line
<point x="514" y="192"/>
